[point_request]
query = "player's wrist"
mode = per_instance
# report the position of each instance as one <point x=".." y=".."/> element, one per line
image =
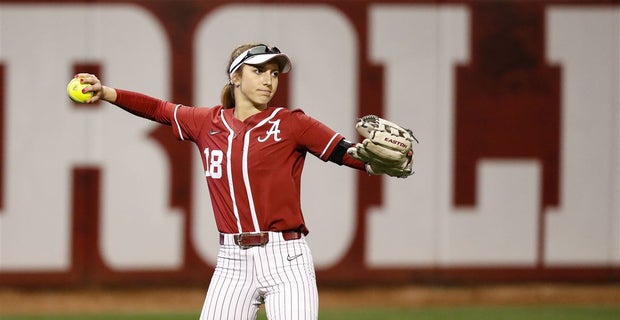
<point x="108" y="94"/>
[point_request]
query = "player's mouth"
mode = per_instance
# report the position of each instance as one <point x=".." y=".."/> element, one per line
<point x="264" y="92"/>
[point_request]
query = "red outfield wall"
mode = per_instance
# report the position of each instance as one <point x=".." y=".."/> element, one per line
<point x="516" y="105"/>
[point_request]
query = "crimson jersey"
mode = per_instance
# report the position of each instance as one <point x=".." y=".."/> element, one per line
<point x="253" y="167"/>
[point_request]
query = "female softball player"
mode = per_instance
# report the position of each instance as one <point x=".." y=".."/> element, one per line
<point x="253" y="155"/>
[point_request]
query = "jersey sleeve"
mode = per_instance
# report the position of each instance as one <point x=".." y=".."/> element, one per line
<point x="144" y="106"/>
<point x="314" y="136"/>
<point x="186" y="124"/>
<point x="183" y="119"/>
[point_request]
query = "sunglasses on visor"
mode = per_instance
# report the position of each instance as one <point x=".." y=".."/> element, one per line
<point x="255" y="51"/>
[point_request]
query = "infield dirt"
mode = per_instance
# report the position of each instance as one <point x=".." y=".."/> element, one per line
<point x="22" y="301"/>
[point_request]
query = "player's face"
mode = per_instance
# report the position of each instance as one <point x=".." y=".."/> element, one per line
<point x="258" y="84"/>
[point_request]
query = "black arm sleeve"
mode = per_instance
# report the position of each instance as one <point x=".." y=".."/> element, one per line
<point x="339" y="151"/>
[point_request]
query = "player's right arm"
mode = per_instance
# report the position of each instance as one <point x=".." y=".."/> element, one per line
<point x="184" y="120"/>
<point x="136" y="103"/>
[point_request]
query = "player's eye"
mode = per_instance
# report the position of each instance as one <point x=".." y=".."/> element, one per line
<point x="275" y="74"/>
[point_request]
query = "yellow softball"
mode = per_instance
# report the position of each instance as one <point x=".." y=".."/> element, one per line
<point x="74" y="90"/>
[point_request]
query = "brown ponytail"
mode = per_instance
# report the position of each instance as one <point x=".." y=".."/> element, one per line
<point x="228" y="92"/>
<point x="228" y="96"/>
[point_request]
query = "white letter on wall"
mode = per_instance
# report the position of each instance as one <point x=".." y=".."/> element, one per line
<point x="47" y="137"/>
<point x="585" y="229"/>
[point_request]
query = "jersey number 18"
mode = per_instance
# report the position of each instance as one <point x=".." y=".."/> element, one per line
<point x="213" y="163"/>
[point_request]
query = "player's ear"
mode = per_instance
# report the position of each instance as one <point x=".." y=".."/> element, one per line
<point x="235" y="80"/>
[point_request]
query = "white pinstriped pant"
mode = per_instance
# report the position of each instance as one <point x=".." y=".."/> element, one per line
<point x="280" y="274"/>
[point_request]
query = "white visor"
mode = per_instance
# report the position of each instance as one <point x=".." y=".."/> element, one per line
<point x="255" y="59"/>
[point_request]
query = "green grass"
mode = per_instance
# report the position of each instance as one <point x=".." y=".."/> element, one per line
<point x="478" y="313"/>
<point x="457" y="313"/>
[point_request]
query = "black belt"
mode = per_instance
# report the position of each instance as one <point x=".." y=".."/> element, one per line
<point x="259" y="239"/>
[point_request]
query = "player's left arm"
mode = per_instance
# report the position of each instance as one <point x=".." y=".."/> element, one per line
<point x="323" y="142"/>
<point x="340" y="156"/>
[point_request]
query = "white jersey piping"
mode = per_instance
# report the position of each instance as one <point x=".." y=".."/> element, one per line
<point x="246" y="177"/>
<point x="231" y="136"/>
<point x="329" y="144"/>
<point x="176" y="121"/>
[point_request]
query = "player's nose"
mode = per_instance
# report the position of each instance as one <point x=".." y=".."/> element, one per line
<point x="267" y="78"/>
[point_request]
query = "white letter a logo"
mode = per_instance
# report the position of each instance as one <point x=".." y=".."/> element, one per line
<point x="273" y="131"/>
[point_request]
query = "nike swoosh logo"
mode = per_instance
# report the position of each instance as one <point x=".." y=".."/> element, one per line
<point x="291" y="258"/>
<point x="212" y="132"/>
